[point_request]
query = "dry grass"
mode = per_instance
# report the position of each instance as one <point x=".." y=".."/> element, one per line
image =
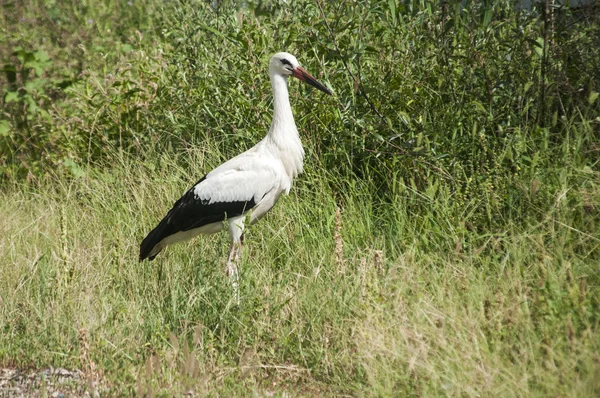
<point x="352" y="314"/>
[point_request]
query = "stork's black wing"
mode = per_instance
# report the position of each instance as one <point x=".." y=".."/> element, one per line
<point x="191" y="212"/>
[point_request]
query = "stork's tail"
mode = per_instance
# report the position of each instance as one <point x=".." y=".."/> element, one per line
<point x="150" y="245"/>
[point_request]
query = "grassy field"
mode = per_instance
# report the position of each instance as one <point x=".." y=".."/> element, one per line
<point x="333" y="302"/>
<point x="444" y="239"/>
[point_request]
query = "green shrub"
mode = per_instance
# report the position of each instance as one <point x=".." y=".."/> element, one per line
<point x="479" y="100"/>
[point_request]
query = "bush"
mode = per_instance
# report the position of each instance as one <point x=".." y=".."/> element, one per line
<point x="480" y="100"/>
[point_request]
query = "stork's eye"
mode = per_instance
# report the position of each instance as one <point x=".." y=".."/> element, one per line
<point x="285" y="62"/>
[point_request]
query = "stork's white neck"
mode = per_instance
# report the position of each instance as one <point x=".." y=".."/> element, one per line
<point x="282" y="111"/>
<point x="283" y="134"/>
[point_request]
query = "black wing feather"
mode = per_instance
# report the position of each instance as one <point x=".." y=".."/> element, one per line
<point x="189" y="212"/>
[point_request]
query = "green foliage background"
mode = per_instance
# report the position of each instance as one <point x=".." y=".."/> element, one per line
<point x="480" y="99"/>
<point x="464" y="129"/>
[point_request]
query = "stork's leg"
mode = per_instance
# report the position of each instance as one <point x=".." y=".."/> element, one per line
<point x="232" y="258"/>
<point x="236" y="230"/>
<point x="232" y="271"/>
<point x="238" y="248"/>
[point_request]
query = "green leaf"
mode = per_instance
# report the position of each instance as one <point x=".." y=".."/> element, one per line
<point x="392" y="7"/>
<point x="592" y="98"/>
<point x="487" y="18"/>
<point x="480" y="106"/>
<point x="221" y="35"/>
<point x="4" y="128"/>
<point x="42" y="56"/>
<point x="73" y="167"/>
<point x="11" y="96"/>
<point x="539" y="48"/>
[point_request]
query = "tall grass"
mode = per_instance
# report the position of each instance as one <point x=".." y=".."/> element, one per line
<point x="409" y="306"/>
<point x="443" y="240"/>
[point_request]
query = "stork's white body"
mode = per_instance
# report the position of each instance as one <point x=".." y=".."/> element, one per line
<point x="252" y="181"/>
<point x="266" y="170"/>
<point x="262" y="174"/>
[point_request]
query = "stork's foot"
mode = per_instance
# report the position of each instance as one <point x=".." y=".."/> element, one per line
<point x="231" y="269"/>
<point x="232" y="272"/>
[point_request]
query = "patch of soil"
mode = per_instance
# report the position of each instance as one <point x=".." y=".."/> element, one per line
<point x="51" y="382"/>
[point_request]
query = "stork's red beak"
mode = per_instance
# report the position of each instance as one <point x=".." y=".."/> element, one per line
<point x="301" y="74"/>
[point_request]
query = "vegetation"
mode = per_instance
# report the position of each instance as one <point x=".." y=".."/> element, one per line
<point x="443" y="240"/>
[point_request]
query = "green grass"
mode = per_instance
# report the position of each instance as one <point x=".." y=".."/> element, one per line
<point x="386" y="308"/>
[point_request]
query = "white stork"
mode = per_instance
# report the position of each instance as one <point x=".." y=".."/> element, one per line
<point x="252" y="181"/>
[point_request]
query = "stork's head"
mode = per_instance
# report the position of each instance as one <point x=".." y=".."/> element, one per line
<point x="286" y="64"/>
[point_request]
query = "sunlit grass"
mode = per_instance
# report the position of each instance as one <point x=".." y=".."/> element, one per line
<point x="388" y="308"/>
